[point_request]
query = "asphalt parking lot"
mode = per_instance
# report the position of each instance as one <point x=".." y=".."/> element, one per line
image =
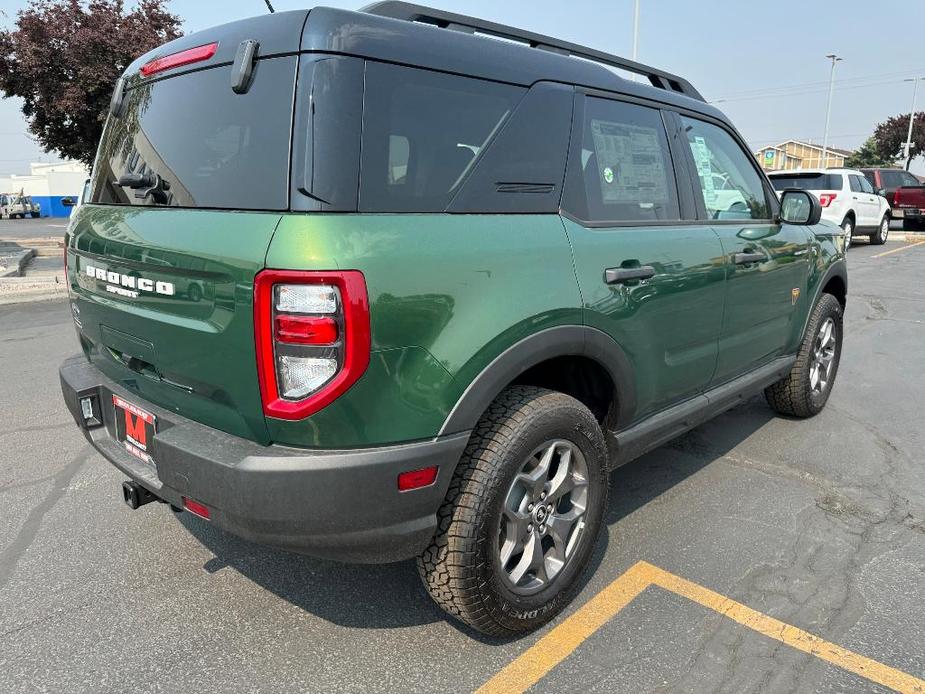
<point x="817" y="524"/>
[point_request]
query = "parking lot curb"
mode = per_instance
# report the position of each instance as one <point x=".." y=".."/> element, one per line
<point x="17" y="290"/>
<point x="16" y="263"/>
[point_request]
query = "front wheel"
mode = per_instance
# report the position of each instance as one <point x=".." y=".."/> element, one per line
<point x="521" y="515"/>
<point x="883" y="231"/>
<point x="804" y="392"/>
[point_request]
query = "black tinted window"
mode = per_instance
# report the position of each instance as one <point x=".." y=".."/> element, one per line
<point x="814" y="181"/>
<point x="854" y="181"/>
<point x="622" y="170"/>
<point x="213" y="147"/>
<point x="422" y="133"/>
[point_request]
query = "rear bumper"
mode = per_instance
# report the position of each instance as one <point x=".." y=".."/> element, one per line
<point x="342" y="504"/>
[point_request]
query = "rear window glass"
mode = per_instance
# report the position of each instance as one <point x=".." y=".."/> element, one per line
<point x="422" y="134"/>
<point x="626" y="172"/>
<point x="212" y="147"/>
<point x="819" y="181"/>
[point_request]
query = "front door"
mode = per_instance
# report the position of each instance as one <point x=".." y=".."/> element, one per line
<point x="767" y="263"/>
<point x="651" y="280"/>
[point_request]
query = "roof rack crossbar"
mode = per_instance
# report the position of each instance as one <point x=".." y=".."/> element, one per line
<point x="395" y="9"/>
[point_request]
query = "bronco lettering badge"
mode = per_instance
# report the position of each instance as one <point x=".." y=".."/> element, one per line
<point x="129" y="285"/>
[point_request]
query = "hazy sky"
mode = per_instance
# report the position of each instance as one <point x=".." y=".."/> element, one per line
<point x="764" y="61"/>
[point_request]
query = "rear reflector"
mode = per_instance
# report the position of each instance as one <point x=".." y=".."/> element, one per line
<point x="415" y="479"/>
<point x="196" y="508"/>
<point x="191" y="55"/>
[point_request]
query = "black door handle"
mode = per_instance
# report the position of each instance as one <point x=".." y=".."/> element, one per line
<point x="748" y="258"/>
<point x="617" y="275"/>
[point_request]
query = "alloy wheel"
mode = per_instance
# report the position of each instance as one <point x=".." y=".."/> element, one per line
<point x="884" y="229"/>
<point x="823" y="359"/>
<point x="848" y="228"/>
<point x="542" y="521"/>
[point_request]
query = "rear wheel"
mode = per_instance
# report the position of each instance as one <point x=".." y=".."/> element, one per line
<point x="521" y="515"/>
<point x="804" y="392"/>
<point x="879" y="237"/>
<point x="847" y="226"/>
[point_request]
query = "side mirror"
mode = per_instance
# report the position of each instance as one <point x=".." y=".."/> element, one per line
<point x="799" y="207"/>
<point x="67" y="202"/>
<point x="881" y="191"/>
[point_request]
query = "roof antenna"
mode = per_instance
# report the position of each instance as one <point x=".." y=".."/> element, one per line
<point x="269" y="6"/>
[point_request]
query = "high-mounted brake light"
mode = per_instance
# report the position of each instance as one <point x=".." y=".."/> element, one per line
<point x="190" y="55"/>
<point x="312" y="337"/>
<point x="825" y="199"/>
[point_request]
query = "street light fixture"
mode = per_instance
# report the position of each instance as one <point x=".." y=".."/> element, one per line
<point x="828" y="108"/>
<point x="907" y="145"/>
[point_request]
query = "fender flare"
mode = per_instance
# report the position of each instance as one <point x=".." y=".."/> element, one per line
<point x="837" y="269"/>
<point x="560" y="341"/>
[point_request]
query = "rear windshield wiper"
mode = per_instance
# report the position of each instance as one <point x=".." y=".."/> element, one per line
<point x="146" y="184"/>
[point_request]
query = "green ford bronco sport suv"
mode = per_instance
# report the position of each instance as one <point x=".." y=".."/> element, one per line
<point x="377" y="285"/>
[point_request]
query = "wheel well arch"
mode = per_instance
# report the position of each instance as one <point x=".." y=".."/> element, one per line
<point x="852" y="215"/>
<point x="580" y="361"/>
<point x="836" y="286"/>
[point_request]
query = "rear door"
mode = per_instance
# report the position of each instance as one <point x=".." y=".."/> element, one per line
<point x="865" y="203"/>
<point x="649" y="276"/>
<point x="161" y="274"/>
<point x="766" y="263"/>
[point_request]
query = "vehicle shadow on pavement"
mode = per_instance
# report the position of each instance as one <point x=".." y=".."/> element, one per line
<point x="647" y="478"/>
<point x="391" y="595"/>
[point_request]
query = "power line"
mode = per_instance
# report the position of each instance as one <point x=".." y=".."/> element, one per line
<point x="812" y="87"/>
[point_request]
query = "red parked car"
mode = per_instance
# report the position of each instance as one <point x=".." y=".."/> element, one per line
<point x="887" y="182"/>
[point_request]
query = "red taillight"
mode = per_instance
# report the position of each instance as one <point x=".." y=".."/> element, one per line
<point x="196" y="508"/>
<point x="312" y="337"/>
<point x="190" y="55"/>
<point x="306" y="330"/>
<point x="825" y="199"/>
<point x="415" y="479"/>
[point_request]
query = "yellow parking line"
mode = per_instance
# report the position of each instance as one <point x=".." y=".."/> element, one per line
<point x="897" y="250"/>
<point x="532" y="665"/>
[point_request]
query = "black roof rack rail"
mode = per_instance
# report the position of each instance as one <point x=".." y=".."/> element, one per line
<point x="395" y="9"/>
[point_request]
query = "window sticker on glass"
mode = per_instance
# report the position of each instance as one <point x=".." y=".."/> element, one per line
<point x="704" y="169"/>
<point x="631" y="164"/>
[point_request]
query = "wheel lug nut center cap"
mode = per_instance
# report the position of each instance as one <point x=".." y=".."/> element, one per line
<point x="539" y="514"/>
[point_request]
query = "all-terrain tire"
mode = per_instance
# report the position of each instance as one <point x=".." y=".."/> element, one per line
<point x="794" y="395"/>
<point x="461" y="569"/>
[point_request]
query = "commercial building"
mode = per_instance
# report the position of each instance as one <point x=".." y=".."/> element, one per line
<point x="48" y="184"/>
<point x="794" y="154"/>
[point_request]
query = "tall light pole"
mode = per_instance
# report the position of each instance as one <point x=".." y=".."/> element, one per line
<point x="636" y="36"/>
<point x="907" y="145"/>
<point x="828" y="109"/>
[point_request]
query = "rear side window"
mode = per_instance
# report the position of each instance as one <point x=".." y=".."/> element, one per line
<point x="423" y="132"/>
<point x="731" y="187"/>
<point x="212" y="147"/>
<point x="622" y="171"/>
<point x="854" y="181"/>
<point x="811" y="181"/>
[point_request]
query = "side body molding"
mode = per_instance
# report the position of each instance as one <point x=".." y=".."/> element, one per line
<point x="560" y="341"/>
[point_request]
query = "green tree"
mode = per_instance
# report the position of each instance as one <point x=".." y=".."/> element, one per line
<point x="868" y="154"/>
<point x="63" y="58"/>
<point x="891" y="134"/>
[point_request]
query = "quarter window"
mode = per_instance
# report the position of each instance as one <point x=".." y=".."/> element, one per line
<point x="730" y="184"/>
<point x="422" y="134"/>
<point x="623" y="170"/>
